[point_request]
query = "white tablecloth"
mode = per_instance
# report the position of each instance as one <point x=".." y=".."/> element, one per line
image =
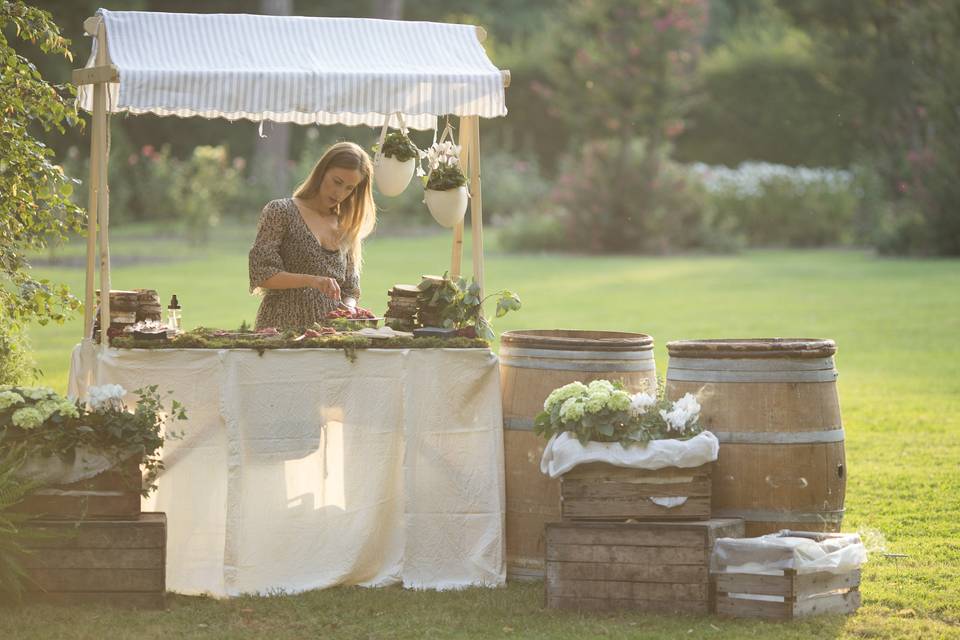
<point x="299" y="469"/>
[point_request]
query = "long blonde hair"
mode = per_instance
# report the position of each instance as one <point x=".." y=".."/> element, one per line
<point x="358" y="212"/>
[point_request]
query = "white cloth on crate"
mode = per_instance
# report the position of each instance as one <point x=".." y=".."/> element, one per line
<point x="771" y="554"/>
<point x="300" y="469"/>
<point x="564" y="452"/>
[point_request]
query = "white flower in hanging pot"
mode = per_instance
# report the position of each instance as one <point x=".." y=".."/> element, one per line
<point x="395" y="163"/>
<point x="446" y="191"/>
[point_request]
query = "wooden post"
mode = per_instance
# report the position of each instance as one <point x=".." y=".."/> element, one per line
<point x="103" y="196"/>
<point x="476" y="200"/>
<point x="88" y="301"/>
<point x="456" y="260"/>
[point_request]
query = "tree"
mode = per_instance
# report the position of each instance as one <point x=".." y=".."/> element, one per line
<point x="35" y="206"/>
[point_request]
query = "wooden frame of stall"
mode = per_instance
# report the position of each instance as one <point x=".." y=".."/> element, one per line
<point x="98" y="209"/>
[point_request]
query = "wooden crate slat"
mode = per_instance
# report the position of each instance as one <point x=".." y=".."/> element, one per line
<point x="95" y="559"/>
<point x="97" y="579"/>
<point x="626" y="554"/>
<point x="605" y="470"/>
<point x="627" y="572"/>
<point x="810" y="584"/>
<point x="754" y="584"/>
<point x="90" y="505"/>
<point x="136" y="600"/>
<point x="831" y="603"/>
<point x="147" y="532"/>
<point x="745" y="608"/>
<point x="623" y="509"/>
<point x="639" y="537"/>
<point x="614" y="489"/>
<point x="614" y="604"/>
<point x="608" y="589"/>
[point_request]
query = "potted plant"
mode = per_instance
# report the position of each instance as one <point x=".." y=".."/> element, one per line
<point x="622" y="455"/>
<point x="90" y="455"/>
<point x="455" y="304"/>
<point x="394" y="164"/>
<point x="445" y="185"/>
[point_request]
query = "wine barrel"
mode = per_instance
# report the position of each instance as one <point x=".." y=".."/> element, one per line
<point x="773" y="404"/>
<point x="532" y="364"/>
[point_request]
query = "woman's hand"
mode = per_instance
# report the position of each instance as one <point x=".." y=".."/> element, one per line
<point x="328" y="286"/>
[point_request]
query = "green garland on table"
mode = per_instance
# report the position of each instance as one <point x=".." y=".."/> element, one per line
<point x="203" y="339"/>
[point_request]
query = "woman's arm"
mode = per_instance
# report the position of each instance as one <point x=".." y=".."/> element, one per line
<point x="286" y="280"/>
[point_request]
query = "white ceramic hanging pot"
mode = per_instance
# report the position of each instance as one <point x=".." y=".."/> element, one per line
<point x="392" y="176"/>
<point x="447" y="207"/>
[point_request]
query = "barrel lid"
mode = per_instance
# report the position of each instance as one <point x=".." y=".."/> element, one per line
<point x="753" y="348"/>
<point x="572" y="340"/>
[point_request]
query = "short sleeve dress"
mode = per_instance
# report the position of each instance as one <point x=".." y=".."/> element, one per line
<point x="285" y="243"/>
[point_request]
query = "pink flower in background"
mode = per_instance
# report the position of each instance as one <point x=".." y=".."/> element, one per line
<point x="148" y="151"/>
<point x="674" y="128"/>
<point x="903" y="186"/>
<point x="921" y="111"/>
<point x="239" y="163"/>
<point x="133" y="159"/>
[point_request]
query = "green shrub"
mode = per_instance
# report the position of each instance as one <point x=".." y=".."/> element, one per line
<point x="620" y="198"/>
<point x="776" y="205"/>
<point x="533" y="232"/>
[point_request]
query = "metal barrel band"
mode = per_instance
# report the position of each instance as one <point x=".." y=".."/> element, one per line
<point x="575" y="355"/>
<point x="763" y="515"/>
<point x="684" y="375"/>
<point x="779" y="437"/>
<point x="588" y="366"/>
<point x="752" y="364"/>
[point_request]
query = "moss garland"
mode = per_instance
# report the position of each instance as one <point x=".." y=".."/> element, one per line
<point x="203" y="339"/>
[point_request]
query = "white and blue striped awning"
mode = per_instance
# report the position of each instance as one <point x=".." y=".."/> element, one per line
<point x="294" y="69"/>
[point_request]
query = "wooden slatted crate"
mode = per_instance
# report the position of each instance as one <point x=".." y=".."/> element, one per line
<point x="113" y="494"/>
<point x="645" y="566"/>
<point x="600" y="491"/>
<point x="120" y="562"/>
<point x="787" y="596"/>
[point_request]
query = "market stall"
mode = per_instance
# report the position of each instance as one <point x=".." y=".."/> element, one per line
<point x="303" y="468"/>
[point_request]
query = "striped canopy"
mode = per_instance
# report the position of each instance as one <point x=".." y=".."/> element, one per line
<point x="295" y="69"/>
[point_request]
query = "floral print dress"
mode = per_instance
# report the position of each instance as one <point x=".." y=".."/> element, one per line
<point x="285" y="243"/>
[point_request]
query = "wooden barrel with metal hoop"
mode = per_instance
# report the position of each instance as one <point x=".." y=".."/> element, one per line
<point x="532" y="364"/>
<point x="773" y="404"/>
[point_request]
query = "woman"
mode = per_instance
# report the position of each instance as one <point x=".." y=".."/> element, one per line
<point x="306" y="258"/>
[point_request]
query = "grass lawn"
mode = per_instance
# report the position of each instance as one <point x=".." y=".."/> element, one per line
<point x="896" y="322"/>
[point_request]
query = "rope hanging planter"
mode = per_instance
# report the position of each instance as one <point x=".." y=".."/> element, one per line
<point x="391" y="174"/>
<point x="447" y="206"/>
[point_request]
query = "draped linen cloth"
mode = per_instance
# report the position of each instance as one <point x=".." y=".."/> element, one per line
<point x="296" y="69"/>
<point x="300" y="469"/>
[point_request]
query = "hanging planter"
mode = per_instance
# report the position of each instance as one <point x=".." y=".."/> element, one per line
<point x="446" y="187"/>
<point x="394" y="163"/>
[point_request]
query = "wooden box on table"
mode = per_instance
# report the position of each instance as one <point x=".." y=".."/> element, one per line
<point x="601" y="491"/>
<point x="661" y="567"/>
<point x="119" y="562"/>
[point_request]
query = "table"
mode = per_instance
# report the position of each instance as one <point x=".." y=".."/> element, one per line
<point x="300" y="469"/>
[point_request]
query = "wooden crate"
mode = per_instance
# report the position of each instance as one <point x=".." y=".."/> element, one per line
<point x="112" y="494"/>
<point x="119" y="562"/>
<point x="798" y="595"/>
<point x="600" y="491"/>
<point x="659" y="567"/>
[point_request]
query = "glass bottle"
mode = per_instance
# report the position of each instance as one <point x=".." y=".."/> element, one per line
<point x="173" y="314"/>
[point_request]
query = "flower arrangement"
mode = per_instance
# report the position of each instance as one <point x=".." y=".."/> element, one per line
<point x="603" y="411"/>
<point x="399" y="146"/>
<point x="458" y="305"/>
<point x="443" y="159"/>
<point x="51" y="425"/>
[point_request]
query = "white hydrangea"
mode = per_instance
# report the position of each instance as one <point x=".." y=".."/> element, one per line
<point x="598" y="385"/>
<point x="597" y="400"/>
<point x="684" y="412"/>
<point x="619" y="400"/>
<point x="27" y="418"/>
<point x="640" y="402"/>
<point x="107" y="396"/>
<point x="571" y="410"/>
<point x="558" y="396"/>
<point x="9" y="398"/>
<point x="38" y="393"/>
